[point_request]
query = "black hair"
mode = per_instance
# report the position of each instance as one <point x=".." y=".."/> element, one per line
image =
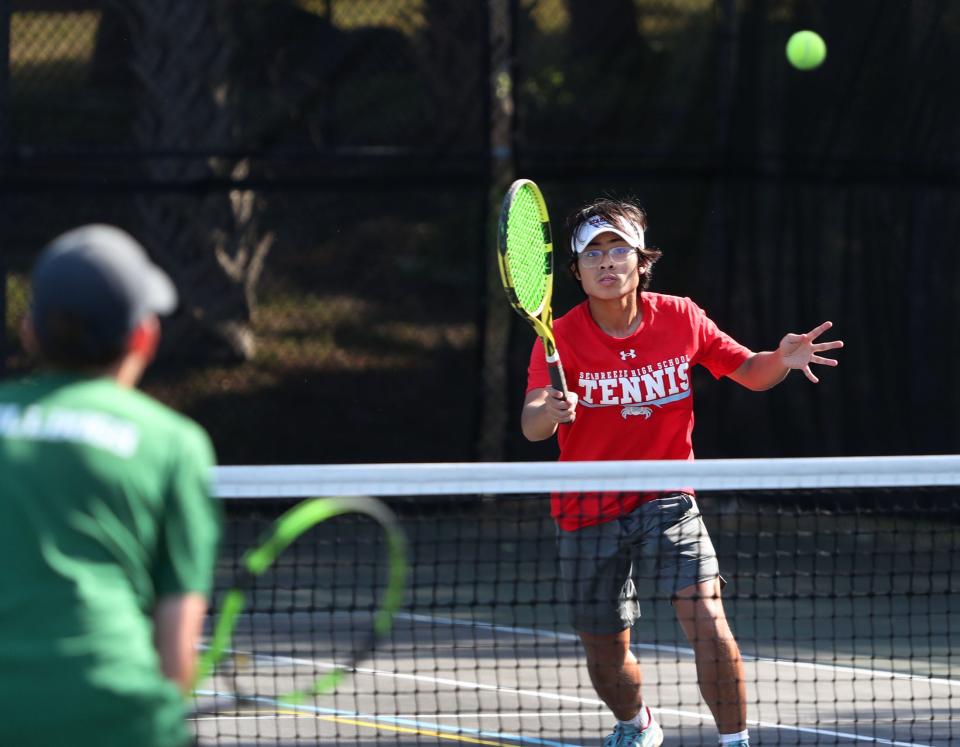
<point x="615" y="211"/>
<point x="66" y="342"/>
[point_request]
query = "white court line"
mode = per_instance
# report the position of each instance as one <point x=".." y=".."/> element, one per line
<point x="271" y="717"/>
<point x="539" y="633"/>
<point x="436" y="716"/>
<point x="502" y="714"/>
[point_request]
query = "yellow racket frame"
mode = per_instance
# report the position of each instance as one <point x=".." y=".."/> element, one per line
<point x="540" y="319"/>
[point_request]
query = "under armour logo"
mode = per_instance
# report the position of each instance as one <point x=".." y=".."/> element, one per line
<point x="624" y="354"/>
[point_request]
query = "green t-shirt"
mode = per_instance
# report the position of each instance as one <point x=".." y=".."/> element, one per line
<point x="104" y="508"/>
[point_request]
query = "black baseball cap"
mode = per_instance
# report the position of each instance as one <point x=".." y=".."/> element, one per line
<point x="100" y="279"/>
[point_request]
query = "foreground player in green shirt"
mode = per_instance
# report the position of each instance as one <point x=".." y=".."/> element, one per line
<point x="107" y="529"/>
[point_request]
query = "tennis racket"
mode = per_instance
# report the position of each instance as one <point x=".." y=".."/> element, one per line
<point x="314" y="596"/>
<point x="525" y="258"/>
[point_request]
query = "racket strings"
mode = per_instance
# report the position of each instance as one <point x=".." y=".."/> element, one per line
<point x="310" y="617"/>
<point x="527" y="255"/>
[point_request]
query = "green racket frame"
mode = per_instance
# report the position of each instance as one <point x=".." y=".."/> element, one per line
<point x="287" y="528"/>
<point x="525" y="259"/>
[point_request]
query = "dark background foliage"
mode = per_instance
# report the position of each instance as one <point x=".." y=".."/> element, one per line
<point x="322" y="179"/>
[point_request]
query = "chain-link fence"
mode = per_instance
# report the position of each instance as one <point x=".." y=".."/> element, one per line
<point x="313" y="175"/>
<point x="320" y="178"/>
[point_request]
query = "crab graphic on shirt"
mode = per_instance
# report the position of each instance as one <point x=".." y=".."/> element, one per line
<point x="629" y="410"/>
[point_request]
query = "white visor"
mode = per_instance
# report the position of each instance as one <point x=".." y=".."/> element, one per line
<point x="593" y="227"/>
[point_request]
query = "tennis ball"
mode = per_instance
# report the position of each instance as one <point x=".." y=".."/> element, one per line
<point x="806" y="50"/>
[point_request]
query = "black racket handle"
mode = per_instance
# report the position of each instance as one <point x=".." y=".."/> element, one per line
<point x="557" y="379"/>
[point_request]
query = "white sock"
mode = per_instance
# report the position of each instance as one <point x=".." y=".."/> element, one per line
<point x="641" y="720"/>
<point x="743" y="736"/>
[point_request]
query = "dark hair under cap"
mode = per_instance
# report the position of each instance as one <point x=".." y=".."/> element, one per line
<point x="91" y="286"/>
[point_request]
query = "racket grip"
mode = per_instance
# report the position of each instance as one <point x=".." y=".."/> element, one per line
<point x="557" y="379"/>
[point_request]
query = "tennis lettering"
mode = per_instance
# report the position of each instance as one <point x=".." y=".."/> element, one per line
<point x="658" y="383"/>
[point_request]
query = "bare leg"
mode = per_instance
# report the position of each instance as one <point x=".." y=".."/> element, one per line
<point x="719" y="666"/>
<point x="614" y="672"/>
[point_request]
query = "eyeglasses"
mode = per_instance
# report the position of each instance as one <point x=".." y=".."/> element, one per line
<point x="593" y="257"/>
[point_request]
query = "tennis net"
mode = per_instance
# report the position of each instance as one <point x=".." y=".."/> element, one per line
<point x="841" y="592"/>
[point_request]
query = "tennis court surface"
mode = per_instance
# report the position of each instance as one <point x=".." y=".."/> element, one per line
<point x="842" y="594"/>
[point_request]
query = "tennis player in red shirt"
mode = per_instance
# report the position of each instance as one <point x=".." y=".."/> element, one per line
<point x="628" y="355"/>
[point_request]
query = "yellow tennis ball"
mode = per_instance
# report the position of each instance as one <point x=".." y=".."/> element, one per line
<point x="806" y="50"/>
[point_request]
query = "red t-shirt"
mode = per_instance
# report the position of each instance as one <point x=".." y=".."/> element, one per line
<point x="636" y="400"/>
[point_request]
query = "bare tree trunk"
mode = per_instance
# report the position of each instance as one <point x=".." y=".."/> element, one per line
<point x="209" y="240"/>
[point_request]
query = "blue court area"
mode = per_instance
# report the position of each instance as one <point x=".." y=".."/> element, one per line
<point x="844" y="614"/>
<point x="501" y="685"/>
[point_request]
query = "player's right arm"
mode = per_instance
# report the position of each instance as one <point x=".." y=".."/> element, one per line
<point x="543" y="410"/>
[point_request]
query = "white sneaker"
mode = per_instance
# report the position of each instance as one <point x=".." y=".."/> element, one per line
<point x="631" y="736"/>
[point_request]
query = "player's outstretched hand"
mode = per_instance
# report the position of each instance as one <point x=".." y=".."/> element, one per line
<point x="561" y="409"/>
<point x="799" y="351"/>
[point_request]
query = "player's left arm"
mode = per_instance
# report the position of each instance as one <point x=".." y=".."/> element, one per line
<point x="767" y="369"/>
<point x="178" y="621"/>
<point x="183" y="567"/>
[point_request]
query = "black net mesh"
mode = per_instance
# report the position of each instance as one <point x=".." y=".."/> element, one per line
<point x="843" y="603"/>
